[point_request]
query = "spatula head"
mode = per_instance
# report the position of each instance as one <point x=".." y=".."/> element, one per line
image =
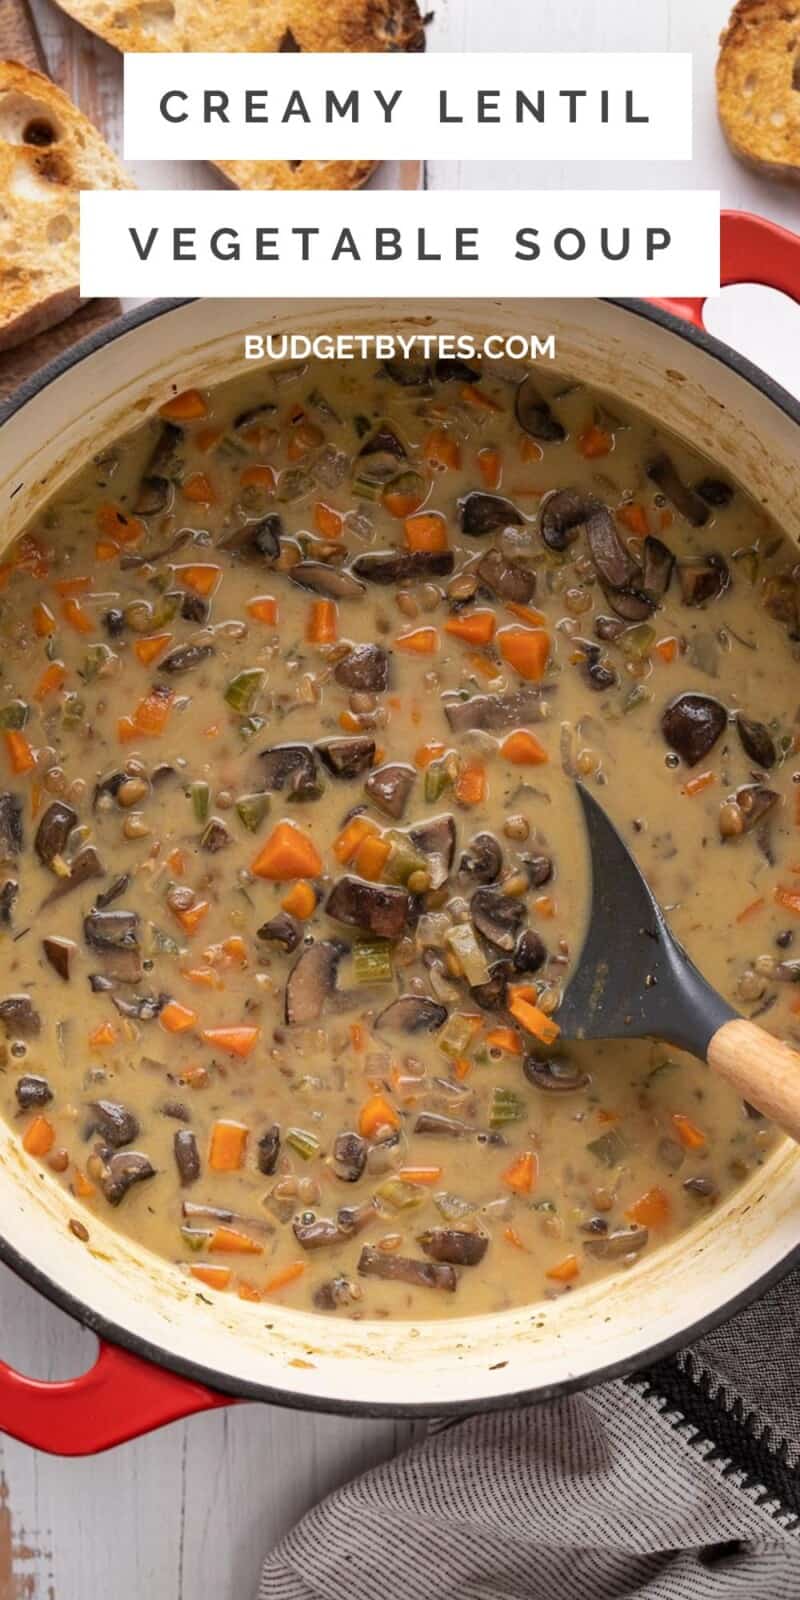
<point x="632" y="978"/>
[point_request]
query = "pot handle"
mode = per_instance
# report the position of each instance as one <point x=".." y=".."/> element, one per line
<point x="752" y="250"/>
<point x="120" y="1397"/>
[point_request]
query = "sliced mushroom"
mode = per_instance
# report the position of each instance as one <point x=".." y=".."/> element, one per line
<point x="292" y="767"/>
<point x="449" y="369"/>
<point x="704" y="579"/>
<point x="384" y="442"/>
<point x="481" y="513"/>
<point x="311" y="980"/>
<point x="482" y="860"/>
<point x="187" y="1156"/>
<point x="535" y="416"/>
<point x="412" y="1013"/>
<point x="615" y="566"/>
<point x="315" y="1235"/>
<point x="755" y="801"/>
<point x="349" y="1156"/>
<point x="268" y="1150"/>
<point x="20" y="1017"/>
<point x="509" y="580"/>
<point x="662" y="471"/>
<point x="374" y="1263"/>
<point x="141" y="1007"/>
<point x="322" y="579"/>
<point x="621" y="1242"/>
<point x="32" y="1091"/>
<point x="377" y="908"/>
<point x="54" y="830"/>
<point x="117" y="1125"/>
<point x="122" y="1171"/>
<point x="555" y="1076"/>
<point x="354" y="1219"/>
<point x="455" y="1245"/>
<point x="86" y="864"/>
<point x="389" y="787"/>
<point x="215" y="836"/>
<point x="8" y="895"/>
<point x="539" y="869"/>
<point x="530" y="952"/>
<point x="185" y="658"/>
<point x="60" y="953"/>
<point x="715" y="491"/>
<point x="113" y="892"/>
<point x="365" y="667"/>
<point x="164" y="468"/>
<point x="335" y="1292"/>
<point x="347" y="758"/>
<point x="435" y="839"/>
<point x="257" y="541"/>
<point x="563" y="514"/>
<point x="281" y="929"/>
<point x="497" y="917"/>
<point x="410" y="374"/>
<point x="431" y="1122"/>
<point x="494" y="712"/>
<point x="756" y="742"/>
<point x="657" y="572"/>
<point x="692" y="724"/>
<point x="492" y="996"/>
<point x="111" y="930"/>
<point x="193" y="607"/>
<point x="403" y="566"/>
<point x="11" y="831"/>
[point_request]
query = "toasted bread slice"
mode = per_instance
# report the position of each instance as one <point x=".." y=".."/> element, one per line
<point x="758" y="86"/>
<point x="284" y="25"/>
<point x="48" y="153"/>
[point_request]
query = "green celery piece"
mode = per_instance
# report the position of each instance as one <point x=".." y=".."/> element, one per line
<point x="456" y="1035"/>
<point x="243" y="690"/>
<point x="462" y="941"/>
<point x="249" y="726"/>
<point x="14" y="716"/>
<point x="506" y="1107"/>
<point x="200" y="794"/>
<point x="399" y="1194"/>
<point x="195" y="1238"/>
<point x="610" y="1148"/>
<point x="304" y="1144"/>
<point x="372" y="961"/>
<point x="436" y="781"/>
<point x="251" y="810"/>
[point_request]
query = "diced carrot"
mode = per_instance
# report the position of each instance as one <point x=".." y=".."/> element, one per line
<point x="347" y="842"/>
<point x="633" y="516"/>
<point x="227" y="1147"/>
<point x="328" y="522"/>
<point x="207" y="439"/>
<point x="236" y="1041"/>
<point x="418" y="641"/>
<point x="177" y="1018"/>
<point x="106" y="550"/>
<point x="426" y="753"/>
<point x="190" y="917"/>
<point x="534" y="1019"/>
<point x="752" y="909"/>
<point x="402" y="505"/>
<point x="214" y="1277"/>
<point x="371" y="857"/>
<point x="490" y="466"/>
<point x="506" y="1039"/>
<point x="428" y="531"/>
<point x="39" y="1137"/>
<point x="67" y="586"/>
<point x="203" y="977"/>
<point x="521" y="1175"/>
<point x="176" y="861"/>
<point x="81" y="1185"/>
<point x="101" y="1037"/>
<point x="149" y="649"/>
<point x="264" y="608"/>
<point x="564" y="1271"/>
<point x="287" y="1275"/>
<point x="512" y="1237"/>
<point x="665" y="519"/>
<point x="6" y="570"/>
<point x="374" y="1114"/>
<point x="247" y="1290"/>
<point x="305" y="436"/>
<point x="526" y="650"/>
<point x="301" y="900"/>
<point x="545" y="905"/>
<point x="595" y="441"/>
<point x="20" y="754"/>
<point x="259" y="477"/>
<point x="527" y="614"/>
<point x="462" y="1067"/>
<point x="230" y="1241"/>
<point x="421" y="1175"/>
<point x="234" y="951"/>
<point x="201" y="577"/>
<point x="788" y="898"/>
<point x="691" y="1137"/>
<point x="186" y="407"/>
<point x="473" y="396"/>
<point x="667" y="649"/>
<point x="73" y="613"/>
<point x="116" y="524"/>
<point x="441" y="449"/>
<point x="696" y="785"/>
<point x="287" y="853"/>
<point x="524" y="749"/>
<point x="529" y="450"/>
<point x="321" y="626"/>
<point x="651" y="1210"/>
<point x="358" y="1037"/>
<point x="476" y="627"/>
<point x="30" y="557"/>
<point x="44" y="623"/>
<point x="51" y="680"/>
<point x="470" y="785"/>
<point x="199" y="489"/>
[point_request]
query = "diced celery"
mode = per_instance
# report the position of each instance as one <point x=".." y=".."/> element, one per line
<point x="436" y="781"/>
<point x="637" y="642"/>
<point x="506" y="1107"/>
<point x="452" y="1207"/>
<point x="243" y="690"/>
<point x="372" y="961"/>
<point x="73" y="711"/>
<point x="195" y="1238"/>
<point x="638" y="696"/>
<point x="463" y="943"/>
<point x="457" y="1034"/>
<point x="400" y="1195"/>
<point x="251" y="810"/>
<point x="303" y="1143"/>
<point x="13" y="716"/>
<point x="200" y="795"/>
<point x="610" y="1148"/>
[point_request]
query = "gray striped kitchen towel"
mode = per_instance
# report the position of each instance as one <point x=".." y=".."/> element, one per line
<point x="680" y="1483"/>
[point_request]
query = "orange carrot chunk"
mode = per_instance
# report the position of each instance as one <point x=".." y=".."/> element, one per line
<point x="198" y="488"/>
<point x="477" y="627"/>
<point x="227" y="1147"/>
<point x="374" y="1114"/>
<point x="177" y="1018"/>
<point x="526" y="650"/>
<point x="633" y="516"/>
<point x="423" y="1175"/>
<point x="490" y="464"/>
<point x="327" y="521"/>
<point x="441" y="449"/>
<point x="73" y="613"/>
<point x="20" y="754"/>
<point x="534" y="1019"/>
<point x="200" y="577"/>
<point x="214" y="1277"/>
<point x="371" y="857"/>
<point x="691" y="1137"/>
<point x="564" y="1271"/>
<point x="651" y="1210"/>
<point x="236" y="1041"/>
<point x="149" y="649"/>
<point x="321" y="625"/>
<point x="230" y="1241"/>
<point x="51" y="680"/>
<point x="300" y="901"/>
<point x="524" y="749"/>
<point x="39" y="1137"/>
<point x="347" y="842"/>
<point x="521" y="1175"/>
<point x="418" y="641"/>
<point x="595" y="441"/>
<point x="286" y="1275"/>
<point x="470" y="785"/>
<point x="264" y="608"/>
<point x="287" y="853"/>
<point x="428" y="531"/>
<point x="186" y="407"/>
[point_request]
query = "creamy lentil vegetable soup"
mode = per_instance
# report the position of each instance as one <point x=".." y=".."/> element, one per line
<point x="295" y="682"/>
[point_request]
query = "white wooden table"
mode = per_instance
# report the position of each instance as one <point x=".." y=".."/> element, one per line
<point x="189" y="1512"/>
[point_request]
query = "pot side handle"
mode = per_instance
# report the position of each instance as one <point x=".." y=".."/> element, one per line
<point x="752" y="250"/>
<point x="120" y="1397"/>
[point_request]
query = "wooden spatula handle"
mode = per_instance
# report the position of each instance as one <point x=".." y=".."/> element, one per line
<point x="761" y="1069"/>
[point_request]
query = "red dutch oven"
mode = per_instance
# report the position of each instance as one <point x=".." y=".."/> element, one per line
<point x="164" y="1353"/>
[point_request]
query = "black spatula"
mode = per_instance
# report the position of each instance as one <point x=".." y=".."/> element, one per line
<point x="633" y="979"/>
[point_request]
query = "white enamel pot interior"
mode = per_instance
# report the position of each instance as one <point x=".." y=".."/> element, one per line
<point x="750" y="429"/>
